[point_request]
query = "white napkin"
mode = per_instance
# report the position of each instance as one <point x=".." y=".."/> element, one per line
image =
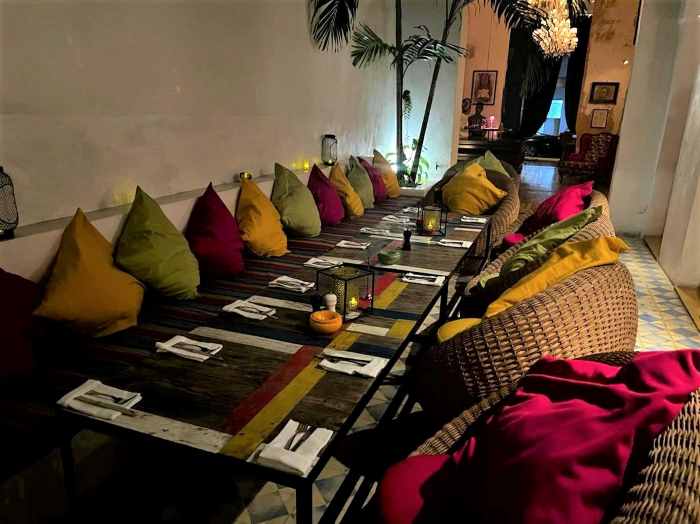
<point x="302" y="459"/>
<point x="413" y="278"/>
<point x="378" y="231"/>
<point x="100" y="392"/>
<point x="200" y="352"/>
<point x="322" y="262"/>
<point x="347" y="244"/>
<point x="463" y="244"/>
<point x="396" y="220"/>
<point x="476" y="220"/>
<point x="372" y="369"/>
<point x="250" y="310"/>
<point x="291" y="284"/>
<point x="413" y="210"/>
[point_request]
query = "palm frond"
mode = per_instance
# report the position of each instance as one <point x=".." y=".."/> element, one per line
<point x="368" y="47"/>
<point x="407" y="103"/>
<point x="332" y="22"/>
<point x="515" y="13"/>
<point x="423" y="47"/>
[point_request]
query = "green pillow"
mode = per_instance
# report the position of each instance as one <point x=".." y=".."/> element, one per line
<point x="361" y="183"/>
<point x="295" y="203"/>
<point x="489" y="161"/>
<point x="151" y="249"/>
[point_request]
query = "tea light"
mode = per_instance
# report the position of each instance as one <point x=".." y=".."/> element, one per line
<point x="353" y="303"/>
<point x="307" y="165"/>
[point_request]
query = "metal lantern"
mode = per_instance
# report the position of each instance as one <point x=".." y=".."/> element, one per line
<point x="329" y="150"/>
<point x="9" y="217"/>
<point x="432" y="220"/>
<point x="354" y="287"/>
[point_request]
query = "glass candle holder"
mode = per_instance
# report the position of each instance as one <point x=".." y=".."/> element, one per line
<point x="352" y="285"/>
<point x="432" y="220"/>
<point x="329" y="150"/>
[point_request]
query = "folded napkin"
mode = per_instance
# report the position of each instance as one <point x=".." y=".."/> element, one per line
<point x="414" y="278"/>
<point x="413" y="210"/>
<point x="188" y="348"/>
<point x="378" y="231"/>
<point x="348" y="244"/>
<point x="323" y="262"/>
<point x="101" y="394"/>
<point x="303" y="458"/>
<point x="475" y="220"/>
<point x="464" y="244"/>
<point x="291" y="284"/>
<point x="250" y="310"/>
<point x="397" y="220"/>
<point x="352" y="363"/>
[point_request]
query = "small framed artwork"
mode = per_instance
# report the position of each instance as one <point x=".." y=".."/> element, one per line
<point x="604" y="93"/>
<point x="484" y="87"/>
<point x="599" y="118"/>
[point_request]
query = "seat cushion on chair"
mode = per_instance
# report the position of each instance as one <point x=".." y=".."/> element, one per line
<point x="471" y="192"/>
<point x="361" y="183"/>
<point x="560" y="449"/>
<point x="330" y="207"/>
<point x="20" y="298"/>
<point x="351" y="200"/>
<point x="391" y="181"/>
<point x="259" y="222"/>
<point x="295" y="203"/>
<point x="378" y="186"/>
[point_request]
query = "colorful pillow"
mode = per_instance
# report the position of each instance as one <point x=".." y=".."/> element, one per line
<point x="491" y="163"/>
<point x="20" y="297"/>
<point x="330" y="207"/>
<point x="471" y="192"/>
<point x="214" y="237"/>
<point x="351" y="200"/>
<point x="259" y="222"/>
<point x="151" y="249"/>
<point x="295" y="204"/>
<point x="380" y="194"/>
<point x="563" y="204"/>
<point x="391" y="181"/>
<point x="561" y="448"/>
<point x="85" y="290"/>
<point x="361" y="183"/>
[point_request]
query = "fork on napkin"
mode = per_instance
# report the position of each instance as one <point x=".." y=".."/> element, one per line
<point x="412" y="210"/>
<point x="377" y="231"/>
<point x="352" y="363"/>
<point x="464" y="244"/>
<point x="188" y="348"/>
<point x="430" y="280"/>
<point x="250" y="310"/>
<point x="397" y="220"/>
<point x="100" y="400"/>
<point x="291" y="284"/>
<point x="296" y="448"/>
<point x="474" y="220"/>
<point x="323" y="262"/>
<point x="350" y="244"/>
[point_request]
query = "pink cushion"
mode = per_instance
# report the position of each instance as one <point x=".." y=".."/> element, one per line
<point x="214" y="236"/>
<point x="565" y="203"/>
<point x="513" y="239"/>
<point x="20" y="298"/>
<point x="330" y="207"/>
<point x="380" y="193"/>
<point x="558" y="450"/>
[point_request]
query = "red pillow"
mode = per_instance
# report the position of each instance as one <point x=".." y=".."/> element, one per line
<point x="329" y="205"/>
<point x="19" y="299"/>
<point x="565" y="203"/>
<point x="214" y="236"/>
<point x="380" y="193"/>
<point x="558" y="450"/>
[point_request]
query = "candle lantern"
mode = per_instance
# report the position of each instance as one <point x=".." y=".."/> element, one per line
<point x="329" y="150"/>
<point x="245" y="175"/>
<point x="354" y="287"/>
<point x="9" y="217"/>
<point x="432" y="220"/>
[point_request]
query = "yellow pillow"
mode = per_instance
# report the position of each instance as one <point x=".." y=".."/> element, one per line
<point x="471" y="192"/>
<point x="259" y="222"/>
<point x="566" y="260"/>
<point x="85" y="289"/>
<point x="351" y="200"/>
<point x="391" y="181"/>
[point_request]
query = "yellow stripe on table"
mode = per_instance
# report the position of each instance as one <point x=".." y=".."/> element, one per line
<point x="391" y="293"/>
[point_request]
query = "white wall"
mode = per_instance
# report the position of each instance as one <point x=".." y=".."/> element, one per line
<point x="99" y="95"/>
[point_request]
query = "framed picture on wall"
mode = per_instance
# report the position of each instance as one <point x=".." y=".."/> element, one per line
<point x="599" y="118"/>
<point x="604" y="93"/>
<point x="484" y="87"/>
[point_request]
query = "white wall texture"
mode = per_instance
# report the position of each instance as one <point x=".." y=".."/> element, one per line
<point x="97" y="96"/>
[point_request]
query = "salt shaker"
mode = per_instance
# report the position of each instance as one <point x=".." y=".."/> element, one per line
<point x="331" y="301"/>
<point x="406" y="240"/>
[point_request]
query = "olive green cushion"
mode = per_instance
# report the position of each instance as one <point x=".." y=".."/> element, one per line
<point x="151" y="249"/>
<point x="491" y="163"/>
<point x="295" y="203"/>
<point x="361" y="183"/>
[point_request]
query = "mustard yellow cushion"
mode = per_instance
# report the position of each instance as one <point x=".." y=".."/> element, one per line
<point x="351" y="200"/>
<point x="85" y="290"/>
<point x="567" y="259"/>
<point x="471" y="192"/>
<point x="391" y="181"/>
<point x="259" y="222"/>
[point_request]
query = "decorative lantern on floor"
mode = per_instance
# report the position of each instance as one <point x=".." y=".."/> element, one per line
<point x="432" y="219"/>
<point x="329" y="150"/>
<point x="354" y="287"/>
<point x="9" y="218"/>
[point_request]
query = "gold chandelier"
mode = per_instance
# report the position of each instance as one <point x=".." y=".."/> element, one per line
<point x="555" y="36"/>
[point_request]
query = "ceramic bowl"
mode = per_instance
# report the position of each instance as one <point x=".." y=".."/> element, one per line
<point x="389" y="257"/>
<point x="325" y="321"/>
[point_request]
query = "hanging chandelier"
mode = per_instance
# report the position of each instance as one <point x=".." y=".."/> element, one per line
<point x="555" y="36"/>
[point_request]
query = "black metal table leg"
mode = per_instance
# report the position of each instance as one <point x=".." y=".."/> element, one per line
<point x="444" y="292"/>
<point x="304" y="502"/>
<point x="68" y="463"/>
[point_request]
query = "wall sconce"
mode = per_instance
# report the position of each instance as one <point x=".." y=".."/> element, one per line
<point x="353" y="286"/>
<point x="245" y="175"/>
<point x="307" y="166"/>
<point x="9" y="217"/>
<point x="329" y="150"/>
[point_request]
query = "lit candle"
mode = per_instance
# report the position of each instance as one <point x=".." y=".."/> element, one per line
<point x="430" y="226"/>
<point x="307" y="165"/>
<point x="492" y="120"/>
<point x="353" y="303"/>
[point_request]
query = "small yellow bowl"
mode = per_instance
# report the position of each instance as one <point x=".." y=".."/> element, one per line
<point x="325" y="322"/>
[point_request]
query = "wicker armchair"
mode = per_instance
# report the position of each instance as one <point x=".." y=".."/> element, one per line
<point x="666" y="489"/>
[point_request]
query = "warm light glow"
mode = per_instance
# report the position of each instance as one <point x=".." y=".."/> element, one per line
<point x="555" y="36"/>
<point x="353" y="303"/>
<point x="625" y="62"/>
<point x="307" y="165"/>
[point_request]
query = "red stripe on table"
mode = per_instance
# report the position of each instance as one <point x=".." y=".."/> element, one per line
<point x="253" y="403"/>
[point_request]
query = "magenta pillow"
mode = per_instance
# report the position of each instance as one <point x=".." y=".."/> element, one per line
<point x="558" y="450"/>
<point x="329" y="205"/>
<point x="20" y="298"/>
<point x="565" y="203"/>
<point x="380" y="193"/>
<point x="513" y="239"/>
<point x="214" y="237"/>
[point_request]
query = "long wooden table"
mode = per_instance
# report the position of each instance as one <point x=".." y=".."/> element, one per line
<point x="267" y="372"/>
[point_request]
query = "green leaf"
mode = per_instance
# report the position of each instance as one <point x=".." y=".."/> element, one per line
<point x="332" y="22"/>
<point x="423" y="47"/>
<point x="368" y="47"/>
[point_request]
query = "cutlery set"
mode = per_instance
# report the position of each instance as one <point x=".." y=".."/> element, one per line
<point x="350" y="244"/>
<point x="248" y="309"/>
<point x="292" y="284"/>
